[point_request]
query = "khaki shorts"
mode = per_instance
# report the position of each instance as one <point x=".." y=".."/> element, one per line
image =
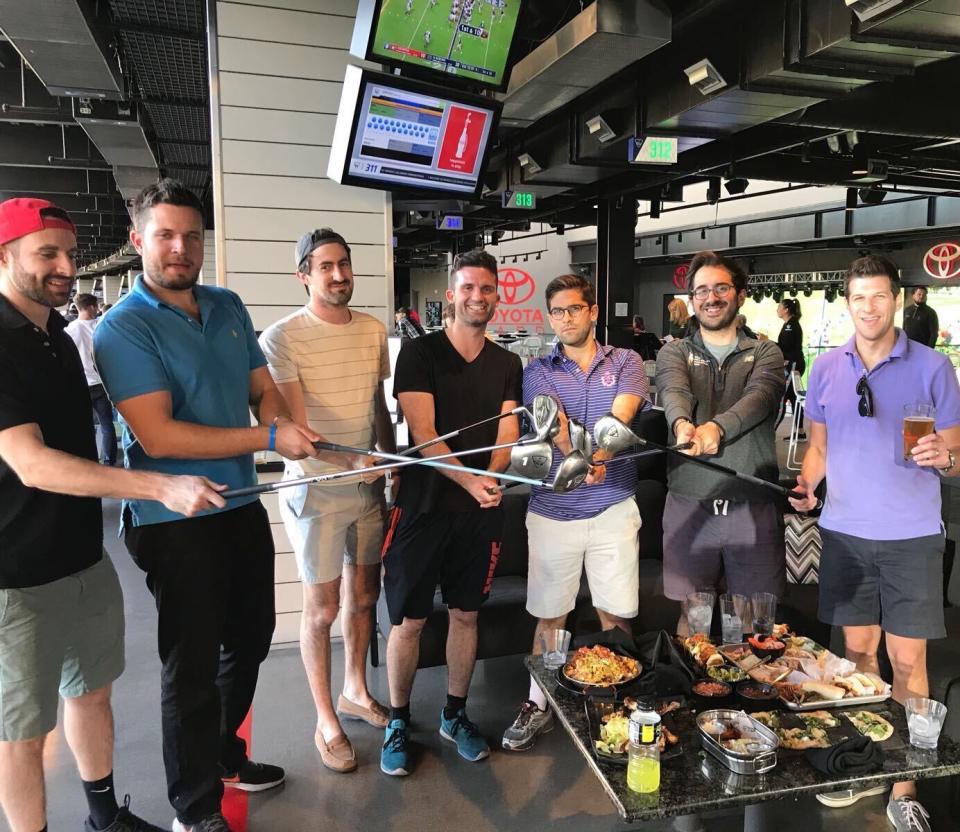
<point x="330" y="525"/>
<point x="63" y="638"/>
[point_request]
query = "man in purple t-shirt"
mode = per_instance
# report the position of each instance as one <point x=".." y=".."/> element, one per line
<point x="882" y="533"/>
<point x="596" y="529"/>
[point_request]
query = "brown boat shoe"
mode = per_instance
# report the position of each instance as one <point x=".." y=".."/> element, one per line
<point x="376" y="715"/>
<point x="338" y="754"/>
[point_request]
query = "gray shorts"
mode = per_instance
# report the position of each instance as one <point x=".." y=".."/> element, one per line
<point x="65" y="639"/>
<point x="897" y="584"/>
<point x="704" y="541"/>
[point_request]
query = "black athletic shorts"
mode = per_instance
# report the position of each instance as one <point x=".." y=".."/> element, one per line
<point x="457" y="550"/>
<point x="897" y="584"/>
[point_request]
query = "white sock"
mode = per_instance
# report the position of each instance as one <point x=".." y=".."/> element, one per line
<point x="537" y="696"/>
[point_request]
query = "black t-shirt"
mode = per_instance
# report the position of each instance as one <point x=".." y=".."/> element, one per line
<point x="790" y="341"/>
<point x="463" y="393"/>
<point x="44" y="536"/>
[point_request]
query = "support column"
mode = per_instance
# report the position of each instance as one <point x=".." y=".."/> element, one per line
<point x="111" y="288"/>
<point x="616" y="229"/>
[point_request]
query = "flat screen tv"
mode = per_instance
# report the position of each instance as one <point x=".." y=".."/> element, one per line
<point x="398" y="134"/>
<point x="465" y="39"/>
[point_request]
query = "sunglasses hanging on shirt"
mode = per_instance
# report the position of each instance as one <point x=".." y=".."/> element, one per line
<point x="865" y="405"/>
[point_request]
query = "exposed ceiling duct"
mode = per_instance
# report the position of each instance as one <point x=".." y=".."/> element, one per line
<point x="61" y="41"/>
<point x="606" y="37"/>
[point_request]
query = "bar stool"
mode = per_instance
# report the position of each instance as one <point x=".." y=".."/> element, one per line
<point x="800" y="391"/>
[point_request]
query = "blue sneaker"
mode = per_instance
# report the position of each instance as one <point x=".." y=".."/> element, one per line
<point x="461" y="731"/>
<point x="394" y="759"/>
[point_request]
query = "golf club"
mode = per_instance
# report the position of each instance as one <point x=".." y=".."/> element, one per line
<point x="640" y="454"/>
<point x="544" y="413"/>
<point x="613" y="436"/>
<point x="580" y="437"/>
<point x="531" y="458"/>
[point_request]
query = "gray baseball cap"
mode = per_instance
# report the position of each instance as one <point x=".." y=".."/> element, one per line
<point x="312" y="240"/>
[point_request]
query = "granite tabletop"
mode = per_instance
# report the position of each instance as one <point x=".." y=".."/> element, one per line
<point x="692" y="782"/>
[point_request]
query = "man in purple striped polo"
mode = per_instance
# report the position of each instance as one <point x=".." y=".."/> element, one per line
<point x="595" y="529"/>
<point x="881" y="571"/>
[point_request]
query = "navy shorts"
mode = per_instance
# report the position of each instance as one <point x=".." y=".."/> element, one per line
<point x="457" y="550"/>
<point x="897" y="584"/>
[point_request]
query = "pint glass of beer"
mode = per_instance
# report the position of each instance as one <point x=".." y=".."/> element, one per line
<point x="917" y="421"/>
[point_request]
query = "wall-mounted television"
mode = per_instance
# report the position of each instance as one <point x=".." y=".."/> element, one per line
<point x="465" y="39"/>
<point x="401" y="134"/>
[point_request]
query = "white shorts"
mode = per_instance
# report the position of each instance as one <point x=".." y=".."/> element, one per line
<point x="330" y="525"/>
<point x="606" y="545"/>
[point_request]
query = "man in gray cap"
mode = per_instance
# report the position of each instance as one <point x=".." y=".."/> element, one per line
<point x="329" y="363"/>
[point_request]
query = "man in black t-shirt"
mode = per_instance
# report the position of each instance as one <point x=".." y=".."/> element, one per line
<point x="446" y="526"/>
<point x="61" y="609"/>
<point x="920" y="322"/>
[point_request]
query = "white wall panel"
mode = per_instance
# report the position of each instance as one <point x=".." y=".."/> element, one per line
<point x="236" y="20"/>
<point x="276" y="125"/>
<point x="281" y="543"/>
<point x="287" y="630"/>
<point x="290" y="192"/>
<point x="270" y="503"/>
<point x="284" y="60"/>
<point x="274" y="224"/>
<point x="272" y="93"/>
<point x="289" y="597"/>
<point x="276" y="258"/>
<point x="275" y="159"/>
<point x="286" y="568"/>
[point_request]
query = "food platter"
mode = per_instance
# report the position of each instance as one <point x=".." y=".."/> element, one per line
<point x="823" y="728"/>
<point x="604" y="715"/>
<point x="599" y="667"/>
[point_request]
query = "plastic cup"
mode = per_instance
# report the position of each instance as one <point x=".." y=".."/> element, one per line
<point x="734" y="610"/>
<point x="555" y="645"/>
<point x="764" y="612"/>
<point x="698" y="609"/>
<point x="925" y="720"/>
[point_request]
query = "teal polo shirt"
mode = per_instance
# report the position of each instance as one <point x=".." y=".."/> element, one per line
<point x="144" y="345"/>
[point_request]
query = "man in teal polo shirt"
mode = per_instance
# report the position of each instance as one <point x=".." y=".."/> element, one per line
<point x="182" y="365"/>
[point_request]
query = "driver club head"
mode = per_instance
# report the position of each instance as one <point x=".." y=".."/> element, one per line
<point x="532" y="459"/>
<point x="571" y="473"/>
<point x="613" y="436"/>
<point x="580" y="437"/>
<point x="545" y="412"/>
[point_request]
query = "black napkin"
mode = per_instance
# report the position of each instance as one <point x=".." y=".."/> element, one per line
<point x="859" y="755"/>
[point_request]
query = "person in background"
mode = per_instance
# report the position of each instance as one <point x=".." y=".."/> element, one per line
<point x="61" y="626"/>
<point x="790" y="341"/>
<point x="406" y="327"/>
<point x="920" y="322"/>
<point x="679" y="316"/>
<point x="414" y="316"/>
<point x="720" y="391"/>
<point x="646" y="344"/>
<point x="742" y="327"/>
<point x="329" y="363"/>
<point x="449" y="315"/>
<point x="105" y="308"/>
<point x="81" y="331"/>
<point x="881" y="570"/>
<point x="181" y="362"/>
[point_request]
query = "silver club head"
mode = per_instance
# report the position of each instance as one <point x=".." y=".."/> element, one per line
<point x="571" y="473"/>
<point x="580" y="437"/>
<point x="545" y="412"/>
<point x="613" y="436"/>
<point x="531" y="459"/>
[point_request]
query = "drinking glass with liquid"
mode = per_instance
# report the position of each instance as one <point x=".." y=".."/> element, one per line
<point x="918" y="421"/>
<point x="733" y="612"/>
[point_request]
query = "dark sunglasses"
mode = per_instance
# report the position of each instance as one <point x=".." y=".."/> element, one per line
<point x="866" y="397"/>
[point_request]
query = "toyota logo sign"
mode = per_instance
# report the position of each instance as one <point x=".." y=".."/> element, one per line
<point x="516" y="286"/>
<point x="942" y="261"/>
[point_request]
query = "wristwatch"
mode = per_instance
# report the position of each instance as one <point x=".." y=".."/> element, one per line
<point x="951" y="464"/>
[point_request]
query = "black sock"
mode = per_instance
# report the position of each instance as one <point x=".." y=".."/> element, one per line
<point x="403" y="712"/>
<point x="454" y="704"/>
<point x="102" y="801"/>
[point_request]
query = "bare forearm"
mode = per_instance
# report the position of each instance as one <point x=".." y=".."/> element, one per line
<point x="814" y="467"/>
<point x="271" y="405"/>
<point x="187" y="440"/>
<point x="499" y="460"/>
<point x="52" y="470"/>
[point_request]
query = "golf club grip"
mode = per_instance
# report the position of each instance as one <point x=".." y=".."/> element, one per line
<point x="339" y="449"/>
<point x="246" y="491"/>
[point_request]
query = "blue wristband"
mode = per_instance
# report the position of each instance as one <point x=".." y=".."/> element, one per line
<point x="273" y="438"/>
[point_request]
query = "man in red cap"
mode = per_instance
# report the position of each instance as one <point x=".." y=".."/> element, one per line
<point x="61" y="609"/>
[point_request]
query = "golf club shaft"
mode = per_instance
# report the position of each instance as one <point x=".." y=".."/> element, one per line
<point x="438" y="439"/>
<point x="348" y="449"/>
<point x="401" y="462"/>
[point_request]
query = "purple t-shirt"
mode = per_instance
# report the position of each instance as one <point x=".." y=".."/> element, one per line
<point x="871" y="492"/>
<point x="587" y="397"/>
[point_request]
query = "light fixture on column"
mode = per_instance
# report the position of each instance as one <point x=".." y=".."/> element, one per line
<point x="600" y="128"/>
<point x="736" y="185"/>
<point x="866" y="9"/>
<point x="705" y="77"/>
<point x="528" y="165"/>
<point x="871" y="196"/>
<point x="833" y="142"/>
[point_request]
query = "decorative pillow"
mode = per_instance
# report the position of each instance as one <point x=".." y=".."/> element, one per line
<point x="802" y="536"/>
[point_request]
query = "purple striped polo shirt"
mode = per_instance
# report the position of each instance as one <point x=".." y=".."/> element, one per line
<point x="587" y="397"/>
<point x="871" y="492"/>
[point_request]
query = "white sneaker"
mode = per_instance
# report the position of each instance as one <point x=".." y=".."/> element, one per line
<point x="847" y="797"/>
<point x="529" y="724"/>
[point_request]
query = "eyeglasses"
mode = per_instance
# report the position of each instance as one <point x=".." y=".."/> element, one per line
<point x="866" y="398"/>
<point x="557" y="312"/>
<point x="721" y="290"/>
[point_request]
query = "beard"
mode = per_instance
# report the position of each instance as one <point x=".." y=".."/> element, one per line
<point x="474" y="316"/>
<point x="724" y="321"/>
<point x="176" y="282"/>
<point x="38" y="289"/>
<point x="575" y="337"/>
<point x="338" y="294"/>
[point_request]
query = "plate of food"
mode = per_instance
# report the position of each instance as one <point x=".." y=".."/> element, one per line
<point x="600" y="667"/>
<point x="870" y="724"/>
<point x="609" y="725"/>
<point x="855" y="688"/>
<point x="701" y="650"/>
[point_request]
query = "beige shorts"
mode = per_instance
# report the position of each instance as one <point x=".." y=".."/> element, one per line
<point x="606" y="546"/>
<point x="330" y="525"/>
<point x="65" y="639"/>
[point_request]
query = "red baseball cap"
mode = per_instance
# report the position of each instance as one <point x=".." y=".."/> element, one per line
<point x="22" y="215"/>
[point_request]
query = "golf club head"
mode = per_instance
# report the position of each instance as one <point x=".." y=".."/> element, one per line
<point x="613" y="436"/>
<point x="571" y="473"/>
<point x="580" y="437"/>
<point x="545" y="412"/>
<point x="532" y="459"/>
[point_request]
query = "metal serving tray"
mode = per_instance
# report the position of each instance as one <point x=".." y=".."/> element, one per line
<point x="753" y="763"/>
